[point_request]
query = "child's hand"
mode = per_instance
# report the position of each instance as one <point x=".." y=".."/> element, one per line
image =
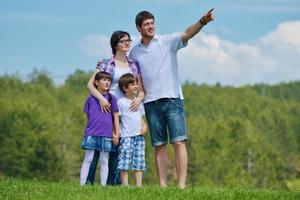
<point x="115" y="139"/>
<point x="143" y="131"/>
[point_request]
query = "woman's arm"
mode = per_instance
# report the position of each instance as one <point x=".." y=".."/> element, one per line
<point x="105" y="105"/>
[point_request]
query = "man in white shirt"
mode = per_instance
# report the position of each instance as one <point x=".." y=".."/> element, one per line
<point x="156" y="57"/>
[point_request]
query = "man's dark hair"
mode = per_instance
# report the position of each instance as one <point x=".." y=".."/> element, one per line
<point x="125" y="80"/>
<point x="142" y="16"/>
<point x="102" y="75"/>
<point x="115" y="38"/>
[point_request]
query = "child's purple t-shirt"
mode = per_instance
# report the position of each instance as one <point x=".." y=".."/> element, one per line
<point x="99" y="123"/>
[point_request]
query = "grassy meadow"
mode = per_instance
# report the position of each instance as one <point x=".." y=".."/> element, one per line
<point x="36" y="190"/>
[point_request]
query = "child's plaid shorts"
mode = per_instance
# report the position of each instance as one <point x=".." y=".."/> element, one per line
<point x="132" y="153"/>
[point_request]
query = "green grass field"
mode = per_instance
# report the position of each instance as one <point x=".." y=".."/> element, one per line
<point x="41" y="190"/>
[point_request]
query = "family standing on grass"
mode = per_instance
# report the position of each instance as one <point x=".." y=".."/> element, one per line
<point x="124" y="90"/>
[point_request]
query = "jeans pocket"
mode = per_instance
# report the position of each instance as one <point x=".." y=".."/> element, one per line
<point x="107" y="144"/>
<point x="178" y="103"/>
<point x="90" y="140"/>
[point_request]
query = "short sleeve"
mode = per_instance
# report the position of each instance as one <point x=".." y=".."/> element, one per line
<point x="119" y="103"/>
<point x="86" y="105"/>
<point x="100" y="65"/>
<point x="174" y="41"/>
<point x="132" y="57"/>
<point x="142" y="110"/>
<point x="114" y="105"/>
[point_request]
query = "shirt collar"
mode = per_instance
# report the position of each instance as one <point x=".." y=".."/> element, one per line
<point x="155" y="37"/>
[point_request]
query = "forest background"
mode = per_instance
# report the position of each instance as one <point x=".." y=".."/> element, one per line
<point x="238" y="136"/>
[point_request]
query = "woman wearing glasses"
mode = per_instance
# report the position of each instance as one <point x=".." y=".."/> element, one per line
<point x="117" y="65"/>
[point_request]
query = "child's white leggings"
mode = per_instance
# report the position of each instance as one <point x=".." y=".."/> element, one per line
<point x="89" y="154"/>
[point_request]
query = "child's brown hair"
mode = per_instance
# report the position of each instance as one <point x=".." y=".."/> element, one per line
<point x="102" y="75"/>
<point x="125" y="80"/>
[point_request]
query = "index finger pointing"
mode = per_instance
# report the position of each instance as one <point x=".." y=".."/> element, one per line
<point x="210" y="10"/>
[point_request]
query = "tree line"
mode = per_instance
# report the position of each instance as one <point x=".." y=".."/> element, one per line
<point x="247" y="136"/>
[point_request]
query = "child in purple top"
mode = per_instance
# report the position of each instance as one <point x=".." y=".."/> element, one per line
<point x="102" y="129"/>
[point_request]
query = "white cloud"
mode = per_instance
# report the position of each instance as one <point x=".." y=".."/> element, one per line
<point x="210" y="59"/>
<point x="94" y="45"/>
<point x="271" y="59"/>
<point x="287" y="34"/>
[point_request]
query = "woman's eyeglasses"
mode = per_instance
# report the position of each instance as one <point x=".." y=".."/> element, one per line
<point x="125" y="41"/>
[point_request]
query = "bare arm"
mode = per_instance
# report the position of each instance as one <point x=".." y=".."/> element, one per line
<point x="93" y="90"/>
<point x="192" y="30"/>
<point x="105" y="105"/>
<point x="144" y="127"/>
<point x="116" y="129"/>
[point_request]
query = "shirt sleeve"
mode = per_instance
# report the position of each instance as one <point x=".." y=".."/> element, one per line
<point x="114" y="104"/>
<point x="119" y="103"/>
<point x="174" y="41"/>
<point x="132" y="57"/>
<point x="100" y="65"/>
<point x="86" y="105"/>
<point x="142" y="110"/>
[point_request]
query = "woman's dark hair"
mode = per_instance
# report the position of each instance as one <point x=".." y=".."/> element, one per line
<point x="102" y="75"/>
<point x="115" y="38"/>
<point x="142" y="16"/>
<point x="125" y="80"/>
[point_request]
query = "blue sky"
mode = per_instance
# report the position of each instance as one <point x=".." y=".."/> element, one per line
<point x="249" y="42"/>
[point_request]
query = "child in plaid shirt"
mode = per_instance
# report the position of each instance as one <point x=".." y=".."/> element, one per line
<point x="132" y="131"/>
